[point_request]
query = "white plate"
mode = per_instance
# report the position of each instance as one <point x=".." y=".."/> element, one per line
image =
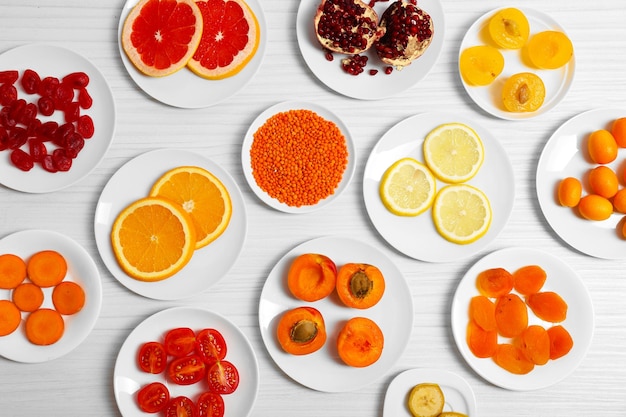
<point x="416" y="236"/>
<point x="365" y="86"/>
<point x="562" y="279"/>
<point x="81" y="269"/>
<point x="284" y="107"/>
<point x="184" y="89"/>
<point x="393" y="313"/>
<point x="565" y="155"/>
<point x="128" y="378"/>
<point x="557" y="81"/>
<point x="54" y="61"/>
<point x="209" y="264"/>
<point x="457" y="392"/>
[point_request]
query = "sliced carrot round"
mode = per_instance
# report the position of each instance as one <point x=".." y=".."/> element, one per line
<point x="27" y="296"/>
<point x="12" y="271"/>
<point x="46" y="268"/>
<point x="10" y="317"/>
<point x="44" y="327"/>
<point x="68" y="297"/>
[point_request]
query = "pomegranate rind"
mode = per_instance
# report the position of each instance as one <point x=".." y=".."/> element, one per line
<point x="390" y="48"/>
<point x="156" y="48"/>
<point x="202" y="64"/>
<point x="367" y="23"/>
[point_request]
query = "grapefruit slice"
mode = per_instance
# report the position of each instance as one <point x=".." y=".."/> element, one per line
<point x="160" y="36"/>
<point x="230" y="38"/>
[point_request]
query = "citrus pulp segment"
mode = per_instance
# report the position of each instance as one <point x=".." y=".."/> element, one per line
<point x="160" y="36"/>
<point x="407" y="187"/>
<point x="454" y="152"/>
<point x="461" y="213"/>
<point x="230" y="38"/>
<point x="202" y="195"/>
<point x="153" y="239"/>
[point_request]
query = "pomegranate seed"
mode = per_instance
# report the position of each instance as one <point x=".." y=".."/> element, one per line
<point x="388" y="70"/>
<point x="373" y="71"/>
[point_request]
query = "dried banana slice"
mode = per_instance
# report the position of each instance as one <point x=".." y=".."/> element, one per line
<point x="426" y="400"/>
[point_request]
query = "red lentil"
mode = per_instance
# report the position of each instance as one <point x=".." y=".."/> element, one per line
<point x="298" y="157"/>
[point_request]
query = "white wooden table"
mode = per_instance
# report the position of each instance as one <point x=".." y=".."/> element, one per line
<point x="81" y="382"/>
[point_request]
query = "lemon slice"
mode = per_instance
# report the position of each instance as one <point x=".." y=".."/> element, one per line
<point x="407" y="187"/>
<point x="462" y="213"/>
<point x="454" y="152"/>
<point x="426" y="400"/>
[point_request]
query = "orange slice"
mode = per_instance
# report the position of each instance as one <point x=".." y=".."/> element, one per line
<point x="230" y="38"/>
<point x="153" y="238"/>
<point x="202" y="195"/>
<point x="160" y="36"/>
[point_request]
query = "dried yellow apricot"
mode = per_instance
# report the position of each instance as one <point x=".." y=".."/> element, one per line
<point x="569" y="191"/>
<point x="481" y="64"/>
<point x="550" y="49"/>
<point x="509" y="28"/>
<point x="523" y="92"/>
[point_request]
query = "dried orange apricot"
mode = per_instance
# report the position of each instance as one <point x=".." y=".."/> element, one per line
<point x="481" y="64"/>
<point x="569" y="191"/>
<point x="603" y="181"/>
<point x="561" y="341"/>
<point x="619" y="201"/>
<point x="523" y="92"/>
<point x="548" y="306"/>
<point x="602" y="146"/>
<point x="534" y="343"/>
<point x="482" y="343"/>
<point x="509" y="28"/>
<point x="511" y="358"/>
<point x="529" y="279"/>
<point x="482" y="311"/>
<point x="618" y="130"/>
<point x="494" y="282"/>
<point x="511" y="315"/>
<point x="550" y="49"/>
<point x="595" y="207"/>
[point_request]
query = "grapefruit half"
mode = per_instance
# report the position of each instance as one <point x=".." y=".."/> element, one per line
<point x="160" y="36"/>
<point x="230" y="38"/>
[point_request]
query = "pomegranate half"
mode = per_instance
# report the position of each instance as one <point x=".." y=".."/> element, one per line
<point x="408" y="33"/>
<point x="346" y="26"/>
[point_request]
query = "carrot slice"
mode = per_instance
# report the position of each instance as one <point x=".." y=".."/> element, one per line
<point x="483" y="312"/>
<point x="529" y="279"/>
<point x="10" y="317"/>
<point x="12" y="271"/>
<point x="27" y="296"/>
<point x="46" y="268"/>
<point x="44" y="327"/>
<point x="360" y="342"/>
<point x="511" y="315"/>
<point x="494" y="282"/>
<point x="548" y="306"/>
<point x="68" y="297"/>
<point x="481" y="342"/>
<point x="561" y="341"/>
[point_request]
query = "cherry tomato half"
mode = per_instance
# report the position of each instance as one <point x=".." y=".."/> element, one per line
<point x="181" y="407"/>
<point x="223" y="377"/>
<point x="153" y="397"/>
<point x="152" y="358"/>
<point x="187" y="370"/>
<point x="180" y="341"/>
<point x="210" y="345"/>
<point x="210" y="404"/>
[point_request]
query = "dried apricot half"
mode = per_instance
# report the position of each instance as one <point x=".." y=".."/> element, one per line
<point x="509" y="28"/>
<point x="523" y="92"/>
<point x="550" y="49"/>
<point x="481" y="64"/>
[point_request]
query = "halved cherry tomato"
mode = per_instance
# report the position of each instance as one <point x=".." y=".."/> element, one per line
<point x="187" y="370"/>
<point x="180" y="341"/>
<point x="152" y="358"/>
<point x="223" y="377"/>
<point x="153" y="397"/>
<point x="181" y="407"/>
<point x="210" y="404"/>
<point x="210" y="345"/>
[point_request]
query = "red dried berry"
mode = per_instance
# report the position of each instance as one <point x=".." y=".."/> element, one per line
<point x="84" y="99"/>
<point x="30" y="81"/>
<point x="37" y="149"/>
<point x="76" y="80"/>
<point x="8" y="94"/>
<point x="47" y="163"/>
<point x="9" y="76"/>
<point x="46" y="106"/>
<point x="71" y="112"/>
<point x="74" y="145"/>
<point x="22" y="160"/>
<point x="61" y="160"/>
<point x="85" y="126"/>
<point x="48" y="86"/>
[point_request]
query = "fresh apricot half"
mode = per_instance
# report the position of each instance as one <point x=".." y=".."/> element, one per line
<point x="301" y="331"/>
<point x="509" y="28"/>
<point x="360" y="285"/>
<point x="481" y="64"/>
<point x="523" y="92"/>
<point x="311" y="277"/>
<point x="550" y="49"/>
